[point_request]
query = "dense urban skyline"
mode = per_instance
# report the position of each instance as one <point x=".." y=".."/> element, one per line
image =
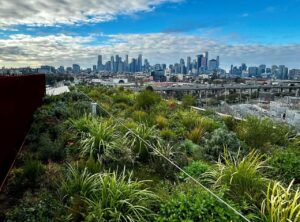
<point x="65" y="32"/>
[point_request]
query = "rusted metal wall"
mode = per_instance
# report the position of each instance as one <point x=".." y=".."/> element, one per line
<point x="20" y="96"/>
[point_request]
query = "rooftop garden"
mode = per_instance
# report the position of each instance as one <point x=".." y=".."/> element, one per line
<point x="122" y="164"/>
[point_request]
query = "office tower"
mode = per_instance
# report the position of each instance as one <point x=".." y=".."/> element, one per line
<point x="283" y="72"/>
<point x="126" y="63"/>
<point x="76" y="68"/>
<point x="61" y="69"/>
<point x="243" y="67"/>
<point x="182" y="64"/>
<point x="206" y="60"/>
<point x="112" y="64"/>
<point x="253" y="71"/>
<point x="188" y="63"/>
<point x="99" y="63"/>
<point x="261" y="69"/>
<point x="94" y="68"/>
<point x="212" y="65"/>
<point x="218" y="61"/>
<point x="133" y="65"/>
<point x="140" y="63"/>
<point x="146" y="65"/>
<point x="199" y="62"/>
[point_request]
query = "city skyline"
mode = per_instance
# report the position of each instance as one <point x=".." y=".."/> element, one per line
<point x="65" y="32"/>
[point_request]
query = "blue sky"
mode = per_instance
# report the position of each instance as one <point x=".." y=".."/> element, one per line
<point x="62" y="32"/>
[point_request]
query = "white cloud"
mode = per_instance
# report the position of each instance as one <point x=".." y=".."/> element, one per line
<point x="23" y="50"/>
<point x="53" y="12"/>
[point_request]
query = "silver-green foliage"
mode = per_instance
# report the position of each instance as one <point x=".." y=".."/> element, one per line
<point x="107" y="196"/>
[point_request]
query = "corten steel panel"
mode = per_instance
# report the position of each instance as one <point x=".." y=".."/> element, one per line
<point x="20" y="96"/>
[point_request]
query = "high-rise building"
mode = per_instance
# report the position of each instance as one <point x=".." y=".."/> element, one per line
<point x="112" y="64"/>
<point x="76" y="68"/>
<point x="253" y="71"/>
<point x="199" y="62"/>
<point x="126" y="63"/>
<point x="188" y="64"/>
<point x="99" y="63"/>
<point x="140" y="63"/>
<point x="212" y="65"/>
<point x="206" y="60"/>
<point x="283" y="72"/>
<point x="218" y="61"/>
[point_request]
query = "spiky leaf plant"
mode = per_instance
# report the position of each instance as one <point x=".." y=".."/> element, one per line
<point x="281" y="204"/>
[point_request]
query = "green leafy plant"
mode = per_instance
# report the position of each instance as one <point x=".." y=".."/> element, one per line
<point x="285" y="165"/>
<point x="194" y="204"/>
<point x="106" y="197"/>
<point x="147" y="99"/>
<point x="242" y="176"/>
<point x="100" y="137"/>
<point x="140" y="144"/>
<point x="167" y="134"/>
<point x="215" y="142"/>
<point x="188" y="100"/>
<point x="281" y="204"/>
<point x="260" y="133"/>
<point x="196" y="169"/>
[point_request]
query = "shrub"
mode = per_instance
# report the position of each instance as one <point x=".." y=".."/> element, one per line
<point x="259" y="133"/>
<point x="286" y="165"/>
<point x="28" y="176"/>
<point x="121" y="98"/>
<point x="163" y="166"/>
<point x="50" y="150"/>
<point x="147" y="99"/>
<point x="241" y="175"/>
<point x="194" y="204"/>
<point x="281" y="204"/>
<point x="196" y="169"/>
<point x="35" y="209"/>
<point x="161" y="121"/>
<point x="139" y="116"/>
<point x="188" y="100"/>
<point x="167" y="134"/>
<point x="230" y="122"/>
<point x="196" y="134"/>
<point x="215" y="143"/>
<point x="189" y="119"/>
<point x="191" y="148"/>
<point x="209" y="124"/>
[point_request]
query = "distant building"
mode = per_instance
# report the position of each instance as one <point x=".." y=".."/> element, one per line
<point x="76" y="69"/>
<point x="252" y="71"/>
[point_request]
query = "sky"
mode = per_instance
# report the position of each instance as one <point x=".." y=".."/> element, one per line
<point x="63" y="32"/>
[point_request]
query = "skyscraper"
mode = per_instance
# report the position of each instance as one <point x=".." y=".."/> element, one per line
<point x="76" y="68"/>
<point x="99" y="63"/>
<point x="126" y="68"/>
<point x="188" y="64"/>
<point x="206" y="60"/>
<point x="199" y="62"/>
<point x="112" y="64"/>
<point x="140" y="63"/>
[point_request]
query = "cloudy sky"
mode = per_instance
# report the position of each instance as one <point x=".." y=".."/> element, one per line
<point x="63" y="32"/>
